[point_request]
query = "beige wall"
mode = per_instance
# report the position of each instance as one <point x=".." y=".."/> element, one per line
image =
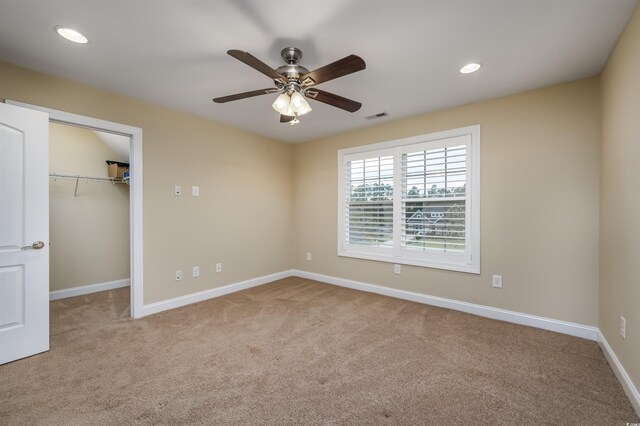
<point x="89" y="233"/>
<point x="620" y="199"/>
<point x="242" y="217"/>
<point x="539" y="204"/>
<point x="540" y="161"/>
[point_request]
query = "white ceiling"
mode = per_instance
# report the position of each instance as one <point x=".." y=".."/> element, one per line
<point x="172" y="53"/>
<point x="117" y="143"/>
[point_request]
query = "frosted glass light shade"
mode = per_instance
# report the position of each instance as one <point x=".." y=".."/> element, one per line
<point x="299" y="105"/>
<point x="283" y="104"/>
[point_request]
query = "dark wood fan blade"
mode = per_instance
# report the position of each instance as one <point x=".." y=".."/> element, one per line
<point x="286" y="118"/>
<point x="333" y="100"/>
<point x="256" y="64"/>
<point x="339" y="68"/>
<point x="243" y="95"/>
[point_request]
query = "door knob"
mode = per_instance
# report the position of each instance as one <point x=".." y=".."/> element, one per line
<point x="36" y="246"/>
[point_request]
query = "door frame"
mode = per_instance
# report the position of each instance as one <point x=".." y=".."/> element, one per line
<point x="135" y="194"/>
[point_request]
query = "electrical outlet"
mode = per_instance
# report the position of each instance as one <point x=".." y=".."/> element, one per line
<point x="218" y="267"/>
<point x="177" y="190"/>
<point x="195" y="191"/>
<point x="195" y="271"/>
<point x="397" y="269"/>
<point x="308" y="255"/>
<point x="178" y="275"/>
<point x="497" y="281"/>
<point x="623" y="327"/>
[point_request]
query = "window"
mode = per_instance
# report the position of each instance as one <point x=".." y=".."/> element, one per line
<point x="414" y="201"/>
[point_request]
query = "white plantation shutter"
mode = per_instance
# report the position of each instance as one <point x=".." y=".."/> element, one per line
<point x="433" y="199"/>
<point x="413" y="201"/>
<point x="369" y="202"/>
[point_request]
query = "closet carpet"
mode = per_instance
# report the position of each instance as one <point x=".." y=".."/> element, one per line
<point x="302" y="352"/>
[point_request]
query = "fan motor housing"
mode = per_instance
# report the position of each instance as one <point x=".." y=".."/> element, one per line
<point x="292" y="55"/>
<point x="292" y="71"/>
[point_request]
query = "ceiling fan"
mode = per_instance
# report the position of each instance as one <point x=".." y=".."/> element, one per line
<point x="295" y="83"/>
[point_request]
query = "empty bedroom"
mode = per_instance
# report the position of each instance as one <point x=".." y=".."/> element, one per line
<point x="319" y="212"/>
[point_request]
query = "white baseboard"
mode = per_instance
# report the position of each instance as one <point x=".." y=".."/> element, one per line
<point x="88" y="289"/>
<point x="573" y="329"/>
<point x="624" y="379"/>
<point x="177" y="302"/>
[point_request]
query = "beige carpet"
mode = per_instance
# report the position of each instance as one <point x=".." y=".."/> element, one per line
<point x="301" y="352"/>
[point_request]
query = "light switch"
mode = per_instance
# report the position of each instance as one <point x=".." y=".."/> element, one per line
<point x="195" y="191"/>
<point x="177" y="190"/>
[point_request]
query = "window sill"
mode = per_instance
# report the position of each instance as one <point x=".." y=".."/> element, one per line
<point x="471" y="268"/>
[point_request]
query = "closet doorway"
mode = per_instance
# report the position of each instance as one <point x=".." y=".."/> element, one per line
<point x="134" y="188"/>
<point x="89" y="220"/>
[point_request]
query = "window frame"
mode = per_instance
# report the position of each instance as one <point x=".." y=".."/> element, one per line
<point x="469" y="261"/>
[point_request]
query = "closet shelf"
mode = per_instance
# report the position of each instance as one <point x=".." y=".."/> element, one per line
<point x="78" y="178"/>
<point x="81" y="177"/>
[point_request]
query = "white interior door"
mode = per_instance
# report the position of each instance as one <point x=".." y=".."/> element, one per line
<point x="24" y="232"/>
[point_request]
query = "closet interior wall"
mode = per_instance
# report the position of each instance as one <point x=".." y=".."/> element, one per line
<point x="89" y="218"/>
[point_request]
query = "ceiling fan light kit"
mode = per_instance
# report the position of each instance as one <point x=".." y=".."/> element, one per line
<point x="294" y="83"/>
<point x="299" y="105"/>
<point x="282" y="103"/>
<point x="291" y="104"/>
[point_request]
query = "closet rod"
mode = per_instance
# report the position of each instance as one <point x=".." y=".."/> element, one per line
<point x="80" y="177"/>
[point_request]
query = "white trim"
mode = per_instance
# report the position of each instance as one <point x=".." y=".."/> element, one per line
<point x="573" y="329"/>
<point x="358" y="253"/>
<point x="188" y="299"/>
<point x="624" y="379"/>
<point x="135" y="194"/>
<point x="88" y="289"/>
<point x="79" y="120"/>
<point x="445" y="134"/>
<point x="564" y="327"/>
<point x="469" y="261"/>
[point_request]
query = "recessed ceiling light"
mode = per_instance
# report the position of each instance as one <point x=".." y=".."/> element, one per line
<point x="71" y="34"/>
<point x="469" y="68"/>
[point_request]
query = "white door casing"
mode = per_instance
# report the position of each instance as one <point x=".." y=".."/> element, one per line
<point x="138" y="309"/>
<point x="24" y="223"/>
